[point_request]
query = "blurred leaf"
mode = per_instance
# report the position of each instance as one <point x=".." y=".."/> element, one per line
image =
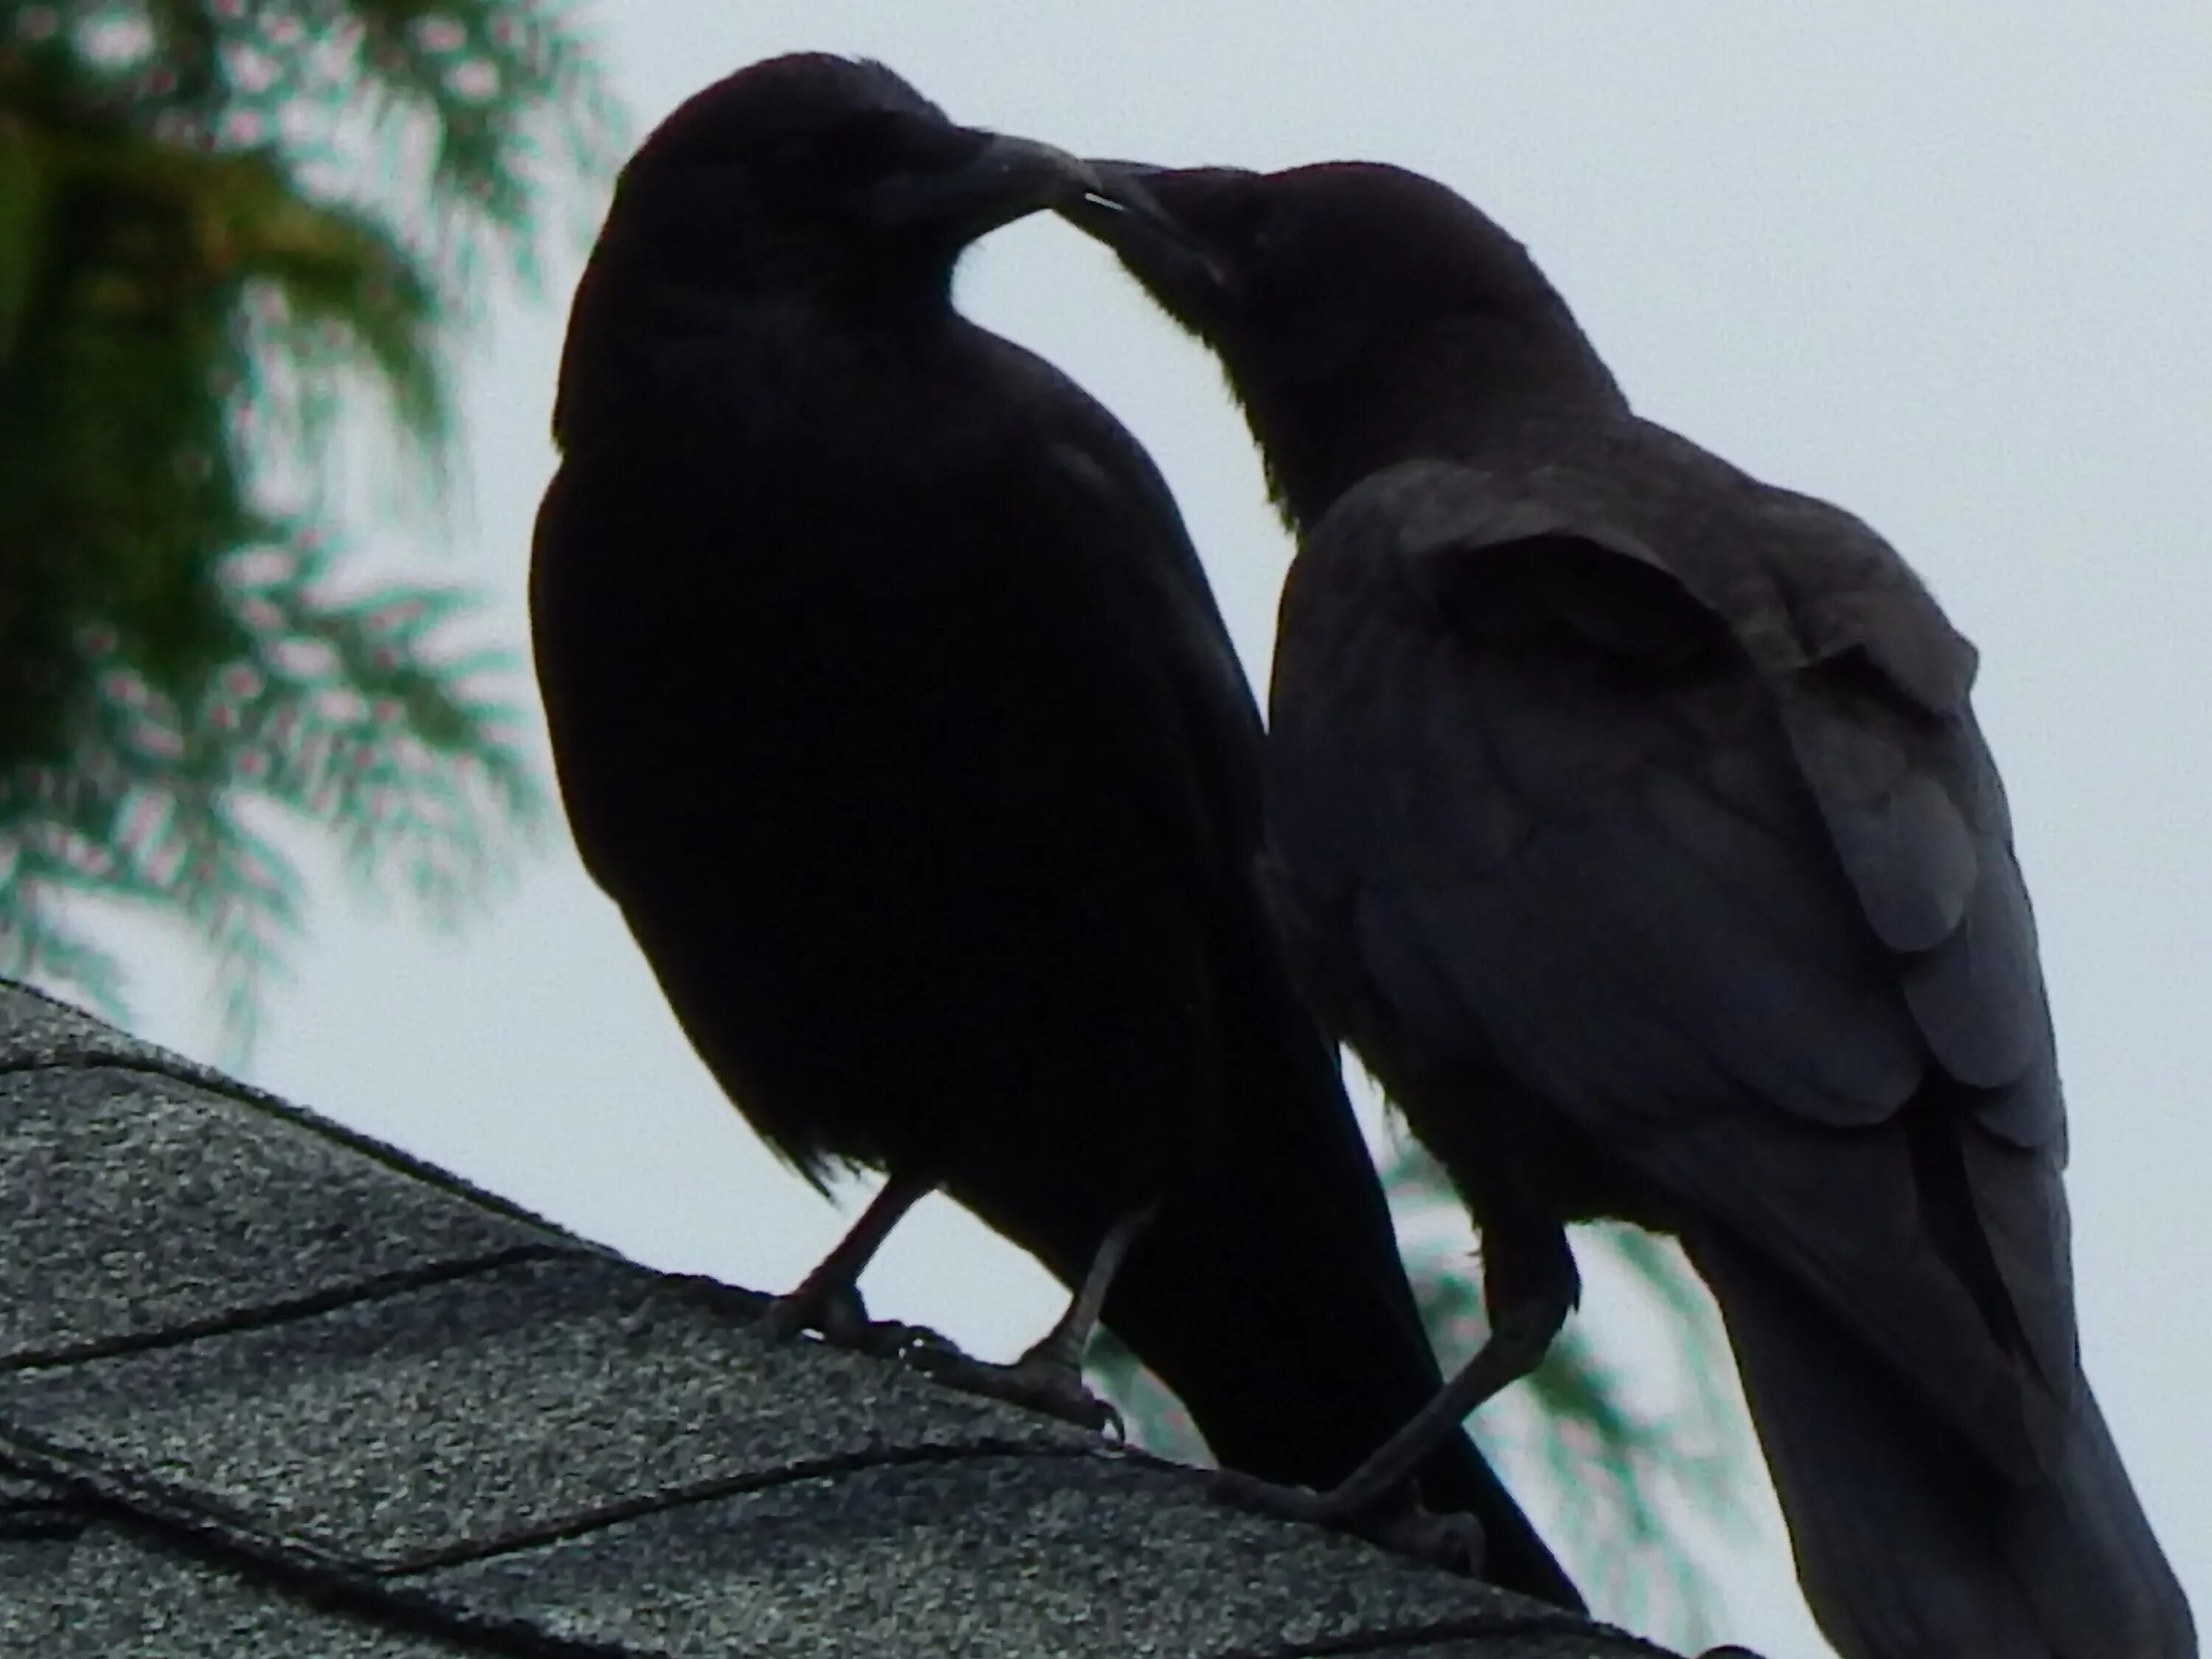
<point x="20" y="222"/>
<point x="221" y="223"/>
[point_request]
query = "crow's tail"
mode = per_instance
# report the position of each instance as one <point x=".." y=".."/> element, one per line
<point x="1909" y="1545"/>
<point x="1270" y="1296"/>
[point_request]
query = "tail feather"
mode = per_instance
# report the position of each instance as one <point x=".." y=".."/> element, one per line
<point x="1268" y="1292"/>
<point x="2131" y="1606"/>
<point x="1909" y="1545"/>
<point x="1289" y="1334"/>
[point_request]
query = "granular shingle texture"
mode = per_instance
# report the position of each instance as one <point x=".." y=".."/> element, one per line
<point x="123" y="1592"/>
<point x="134" y="1204"/>
<point x="1004" y="1557"/>
<point x="270" y="1390"/>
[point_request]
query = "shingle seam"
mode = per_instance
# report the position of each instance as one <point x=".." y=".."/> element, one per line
<point x="86" y="1474"/>
<point x="1539" y="1621"/>
<point x="194" y="1511"/>
<point x="399" y="1594"/>
<point x="245" y="1094"/>
<point x="32" y="1507"/>
<point x="407" y="1603"/>
<point x="734" y="1485"/>
<point x="202" y="1530"/>
<point x="33" y="1523"/>
<point x="336" y="1591"/>
<point x="515" y="1638"/>
<point x="263" y="1316"/>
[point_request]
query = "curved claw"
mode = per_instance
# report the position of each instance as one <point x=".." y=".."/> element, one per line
<point x="1453" y="1542"/>
<point x="893" y="1338"/>
<point x="1034" y="1382"/>
<point x="836" y="1311"/>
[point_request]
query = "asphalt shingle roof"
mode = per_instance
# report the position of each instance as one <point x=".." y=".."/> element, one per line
<point x="270" y="1390"/>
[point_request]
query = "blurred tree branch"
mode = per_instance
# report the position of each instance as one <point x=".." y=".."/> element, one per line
<point x="221" y="221"/>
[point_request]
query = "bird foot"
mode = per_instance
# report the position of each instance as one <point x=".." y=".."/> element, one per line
<point x="1035" y="1382"/>
<point x="833" y="1309"/>
<point x="1453" y="1542"/>
<point x="1049" y="1378"/>
<point x="839" y="1318"/>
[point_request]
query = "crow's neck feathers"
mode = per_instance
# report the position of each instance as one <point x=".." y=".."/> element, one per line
<point x="1439" y="388"/>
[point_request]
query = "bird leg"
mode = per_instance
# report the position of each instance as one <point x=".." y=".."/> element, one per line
<point x="1530" y="1285"/>
<point x="1049" y="1376"/>
<point x="828" y="1299"/>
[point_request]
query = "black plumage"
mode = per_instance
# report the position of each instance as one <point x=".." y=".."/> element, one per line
<point x="1629" y="815"/>
<point x="890" y="704"/>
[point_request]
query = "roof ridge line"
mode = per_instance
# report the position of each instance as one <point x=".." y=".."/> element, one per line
<point x="256" y="1098"/>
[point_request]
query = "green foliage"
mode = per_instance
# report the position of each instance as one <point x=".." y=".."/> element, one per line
<point x="1620" y="1477"/>
<point x="221" y="221"/>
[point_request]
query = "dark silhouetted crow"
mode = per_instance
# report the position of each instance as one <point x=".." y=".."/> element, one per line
<point x="1629" y="817"/>
<point x="890" y="704"/>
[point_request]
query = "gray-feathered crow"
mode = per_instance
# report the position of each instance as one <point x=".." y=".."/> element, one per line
<point x="1629" y="815"/>
<point x="891" y="703"/>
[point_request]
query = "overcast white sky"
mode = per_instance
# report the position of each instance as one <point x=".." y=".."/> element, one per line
<point x="1950" y="265"/>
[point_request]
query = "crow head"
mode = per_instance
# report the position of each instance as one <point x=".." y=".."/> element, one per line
<point x="1362" y="313"/>
<point x="800" y="201"/>
<point x="828" y="175"/>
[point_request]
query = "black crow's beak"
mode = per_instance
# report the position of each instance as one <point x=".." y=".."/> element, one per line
<point x="1118" y="192"/>
<point x="1165" y="254"/>
<point x="987" y="179"/>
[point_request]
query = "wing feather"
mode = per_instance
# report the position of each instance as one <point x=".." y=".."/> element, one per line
<point x="1735" y="910"/>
